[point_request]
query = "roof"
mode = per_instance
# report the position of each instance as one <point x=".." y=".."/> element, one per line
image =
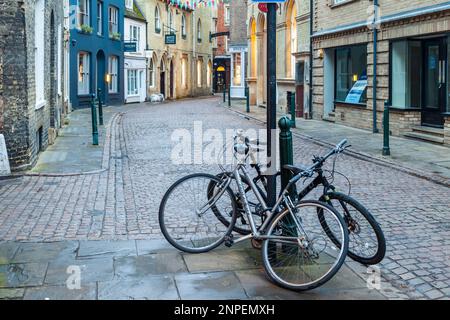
<point x="136" y="13"/>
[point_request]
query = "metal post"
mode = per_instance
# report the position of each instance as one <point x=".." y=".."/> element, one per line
<point x="100" y="106"/>
<point x="375" y="67"/>
<point x="229" y="95"/>
<point x="386" y="131"/>
<point x="286" y="153"/>
<point x="292" y="110"/>
<point x="225" y="93"/>
<point x="271" y="99"/>
<point x="287" y="157"/>
<point x="94" y="121"/>
<point x="247" y="97"/>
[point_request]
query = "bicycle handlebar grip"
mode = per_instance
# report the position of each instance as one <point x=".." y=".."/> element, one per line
<point x="342" y="143"/>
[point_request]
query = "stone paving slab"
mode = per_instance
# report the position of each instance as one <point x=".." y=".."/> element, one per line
<point x="11" y="294"/>
<point x="91" y="270"/>
<point x="140" y="266"/>
<point x="146" y="288"/>
<point x="95" y="249"/>
<point x="7" y="251"/>
<point x="86" y="292"/>
<point x="209" y="286"/>
<point x="43" y="252"/>
<point x="22" y="275"/>
<point x="223" y="260"/>
<point x="152" y="246"/>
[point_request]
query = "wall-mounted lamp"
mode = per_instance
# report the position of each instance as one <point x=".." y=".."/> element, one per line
<point x="355" y="77"/>
<point x="108" y="78"/>
<point x="320" y="53"/>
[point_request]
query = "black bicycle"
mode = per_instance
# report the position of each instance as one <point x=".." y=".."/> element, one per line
<point x="367" y="242"/>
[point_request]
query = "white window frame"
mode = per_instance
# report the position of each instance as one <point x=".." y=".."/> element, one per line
<point x="227" y="14"/>
<point x="135" y="36"/>
<point x="84" y="76"/>
<point x="129" y="4"/>
<point x="133" y="82"/>
<point x="199" y="30"/>
<point x="100" y="18"/>
<point x="113" y="70"/>
<point x="39" y="54"/>
<point x="83" y="17"/>
<point x="113" y="20"/>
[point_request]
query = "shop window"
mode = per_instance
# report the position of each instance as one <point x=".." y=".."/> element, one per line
<point x="351" y="74"/>
<point x="406" y="58"/>
<point x="237" y="70"/>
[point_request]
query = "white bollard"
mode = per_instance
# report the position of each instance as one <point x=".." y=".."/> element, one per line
<point x="4" y="162"/>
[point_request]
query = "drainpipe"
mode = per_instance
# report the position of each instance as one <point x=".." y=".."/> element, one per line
<point x="375" y="49"/>
<point x="311" y="57"/>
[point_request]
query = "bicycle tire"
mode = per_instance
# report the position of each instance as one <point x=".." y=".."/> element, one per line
<point x="269" y="269"/>
<point x="165" y="230"/>
<point x="376" y="229"/>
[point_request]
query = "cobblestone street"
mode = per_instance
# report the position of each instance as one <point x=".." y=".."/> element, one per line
<point x="121" y="203"/>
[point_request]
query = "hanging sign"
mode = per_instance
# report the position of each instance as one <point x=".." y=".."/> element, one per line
<point x="170" y="39"/>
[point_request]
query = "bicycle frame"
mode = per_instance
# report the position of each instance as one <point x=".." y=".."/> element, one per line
<point x="270" y="211"/>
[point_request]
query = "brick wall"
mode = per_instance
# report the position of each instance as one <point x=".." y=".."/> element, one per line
<point x="20" y="120"/>
<point x="221" y="27"/>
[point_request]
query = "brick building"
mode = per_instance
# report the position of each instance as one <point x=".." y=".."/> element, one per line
<point x="221" y="62"/>
<point x="293" y="52"/>
<point x="237" y="48"/>
<point x="411" y="69"/>
<point x="32" y="75"/>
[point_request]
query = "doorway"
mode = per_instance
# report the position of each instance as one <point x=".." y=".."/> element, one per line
<point x="434" y="82"/>
<point x="162" y="78"/>
<point x="100" y="74"/>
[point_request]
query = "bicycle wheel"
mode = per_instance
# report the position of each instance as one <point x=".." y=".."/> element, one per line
<point x="186" y="216"/>
<point x="242" y="225"/>
<point x="299" y="254"/>
<point x="367" y="244"/>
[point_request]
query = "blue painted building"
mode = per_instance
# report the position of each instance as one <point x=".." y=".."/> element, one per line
<point x="96" y="51"/>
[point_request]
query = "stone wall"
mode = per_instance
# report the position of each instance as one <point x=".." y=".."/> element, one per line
<point x="20" y="119"/>
<point x="447" y="131"/>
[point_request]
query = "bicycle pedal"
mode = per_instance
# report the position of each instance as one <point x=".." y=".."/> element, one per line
<point x="229" y="241"/>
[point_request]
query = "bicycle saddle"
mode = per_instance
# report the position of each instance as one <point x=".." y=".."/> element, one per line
<point x="296" y="169"/>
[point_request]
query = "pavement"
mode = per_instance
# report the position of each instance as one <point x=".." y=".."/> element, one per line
<point x="151" y="270"/>
<point x="419" y="157"/>
<point x="105" y="217"/>
<point x="73" y="151"/>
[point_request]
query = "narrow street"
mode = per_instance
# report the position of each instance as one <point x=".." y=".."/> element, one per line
<point x="108" y="222"/>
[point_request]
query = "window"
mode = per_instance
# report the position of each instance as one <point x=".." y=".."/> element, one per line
<point x="351" y="74"/>
<point x="129" y="4"/>
<point x="83" y="13"/>
<point x="237" y="72"/>
<point x="133" y="83"/>
<point x="39" y="53"/>
<point x="113" y="68"/>
<point x="184" y="72"/>
<point x="99" y="18"/>
<point x="151" y="68"/>
<point x="171" y="24"/>
<point x="183" y="26"/>
<point x="208" y="75"/>
<point x="113" y="20"/>
<point x="199" y="30"/>
<point x="406" y="57"/>
<point x="157" y="20"/>
<point x="199" y="72"/>
<point x="340" y="1"/>
<point x="135" y="36"/>
<point x="83" y="73"/>
<point x="227" y="14"/>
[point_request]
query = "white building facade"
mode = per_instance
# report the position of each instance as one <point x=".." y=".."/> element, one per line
<point x="135" y="75"/>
